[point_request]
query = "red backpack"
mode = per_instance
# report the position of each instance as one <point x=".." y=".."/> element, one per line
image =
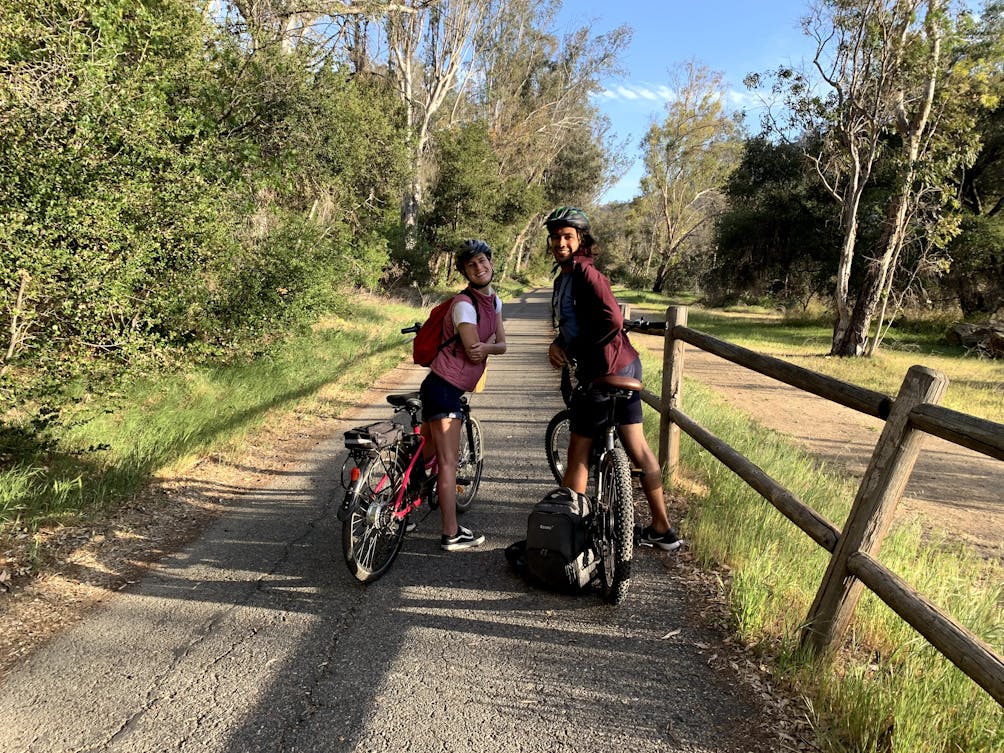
<point x="429" y="339"/>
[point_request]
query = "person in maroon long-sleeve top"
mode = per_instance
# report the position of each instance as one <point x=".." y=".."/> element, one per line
<point x="591" y="334"/>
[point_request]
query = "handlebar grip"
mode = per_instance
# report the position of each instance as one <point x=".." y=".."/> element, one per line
<point x="412" y="329"/>
<point x="646" y="327"/>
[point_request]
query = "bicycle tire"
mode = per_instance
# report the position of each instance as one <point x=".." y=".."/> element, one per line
<point x="556" y="443"/>
<point x="615" y="517"/>
<point x="372" y="536"/>
<point x="470" y="463"/>
<point x="556" y="437"/>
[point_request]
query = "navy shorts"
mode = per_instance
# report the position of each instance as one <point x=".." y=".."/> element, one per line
<point x="591" y="407"/>
<point x="440" y="399"/>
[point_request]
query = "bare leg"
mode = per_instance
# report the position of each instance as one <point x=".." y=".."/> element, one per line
<point x="633" y="438"/>
<point x="445" y="433"/>
<point x="577" y="472"/>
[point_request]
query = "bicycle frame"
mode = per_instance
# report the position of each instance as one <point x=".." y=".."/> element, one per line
<point x="599" y="450"/>
<point x="402" y="507"/>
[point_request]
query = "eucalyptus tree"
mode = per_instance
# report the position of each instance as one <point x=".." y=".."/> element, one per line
<point x="533" y="87"/>
<point x="430" y="46"/>
<point x="933" y="117"/>
<point x="893" y="101"/>
<point x="688" y="158"/>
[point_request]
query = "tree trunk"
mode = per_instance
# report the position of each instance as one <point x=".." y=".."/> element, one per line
<point x="660" y="277"/>
<point x="849" y="223"/>
<point x="855" y="337"/>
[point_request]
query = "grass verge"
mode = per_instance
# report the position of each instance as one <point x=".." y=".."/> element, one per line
<point x="110" y="445"/>
<point x="888" y="690"/>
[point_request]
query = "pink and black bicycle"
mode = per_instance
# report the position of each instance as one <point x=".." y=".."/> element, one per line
<point x="386" y="483"/>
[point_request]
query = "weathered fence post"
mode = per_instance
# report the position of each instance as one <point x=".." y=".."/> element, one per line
<point x="873" y="508"/>
<point x="672" y="382"/>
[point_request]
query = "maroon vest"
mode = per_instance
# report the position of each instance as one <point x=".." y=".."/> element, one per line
<point x="451" y="363"/>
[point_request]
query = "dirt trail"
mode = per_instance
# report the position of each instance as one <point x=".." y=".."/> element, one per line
<point x="956" y="489"/>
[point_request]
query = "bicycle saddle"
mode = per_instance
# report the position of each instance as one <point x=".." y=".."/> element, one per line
<point x="614" y="382"/>
<point x="409" y="400"/>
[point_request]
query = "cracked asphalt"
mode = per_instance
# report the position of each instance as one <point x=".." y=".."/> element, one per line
<point x="256" y="638"/>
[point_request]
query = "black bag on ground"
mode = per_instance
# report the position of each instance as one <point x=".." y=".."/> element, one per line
<point x="559" y="553"/>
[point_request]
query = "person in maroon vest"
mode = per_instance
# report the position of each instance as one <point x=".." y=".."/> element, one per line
<point x="590" y="334"/>
<point x="456" y="370"/>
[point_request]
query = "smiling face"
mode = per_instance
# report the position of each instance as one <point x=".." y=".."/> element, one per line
<point x="478" y="270"/>
<point x="563" y="242"/>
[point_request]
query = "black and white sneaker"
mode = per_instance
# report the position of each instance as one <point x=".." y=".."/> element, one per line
<point x="465" y="538"/>
<point x="667" y="541"/>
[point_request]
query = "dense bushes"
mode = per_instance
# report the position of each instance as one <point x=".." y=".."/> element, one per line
<point x="166" y="193"/>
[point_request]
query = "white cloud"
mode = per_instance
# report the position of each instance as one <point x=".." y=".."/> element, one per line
<point x="634" y="92"/>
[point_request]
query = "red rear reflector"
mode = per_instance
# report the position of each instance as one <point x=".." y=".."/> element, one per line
<point x="354" y="474"/>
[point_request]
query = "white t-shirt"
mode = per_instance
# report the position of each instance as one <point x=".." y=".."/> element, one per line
<point x="464" y="313"/>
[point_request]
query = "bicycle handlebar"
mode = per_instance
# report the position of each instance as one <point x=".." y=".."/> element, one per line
<point x="644" y="326"/>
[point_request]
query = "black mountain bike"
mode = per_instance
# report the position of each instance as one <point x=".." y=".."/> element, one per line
<point x="612" y="524"/>
<point x="611" y="474"/>
<point x="557" y="432"/>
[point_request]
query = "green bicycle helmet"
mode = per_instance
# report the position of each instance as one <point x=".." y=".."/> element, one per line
<point x="468" y="250"/>
<point x="567" y="217"/>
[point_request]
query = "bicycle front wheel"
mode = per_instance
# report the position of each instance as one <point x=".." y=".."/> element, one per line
<point x="556" y="444"/>
<point x="615" y="518"/>
<point x="470" y="463"/>
<point x="371" y="536"/>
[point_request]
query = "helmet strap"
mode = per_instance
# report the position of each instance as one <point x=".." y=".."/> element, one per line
<point x="470" y="284"/>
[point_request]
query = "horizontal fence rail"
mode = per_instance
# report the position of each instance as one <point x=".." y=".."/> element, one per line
<point x="853" y="564"/>
<point x="974" y="433"/>
<point x="960" y="646"/>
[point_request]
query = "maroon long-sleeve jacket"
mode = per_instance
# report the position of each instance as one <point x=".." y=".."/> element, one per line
<point x="601" y="347"/>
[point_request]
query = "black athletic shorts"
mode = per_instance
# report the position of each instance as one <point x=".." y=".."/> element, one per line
<point x="440" y="399"/>
<point x="590" y="408"/>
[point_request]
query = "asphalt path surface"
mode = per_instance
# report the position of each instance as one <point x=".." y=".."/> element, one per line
<point x="256" y="638"/>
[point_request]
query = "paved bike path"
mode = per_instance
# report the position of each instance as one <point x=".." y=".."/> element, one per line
<point x="256" y="638"/>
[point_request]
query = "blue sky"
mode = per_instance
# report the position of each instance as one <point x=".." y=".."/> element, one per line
<point x="734" y="37"/>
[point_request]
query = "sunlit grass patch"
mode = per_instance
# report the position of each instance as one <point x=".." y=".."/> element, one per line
<point x="109" y="445"/>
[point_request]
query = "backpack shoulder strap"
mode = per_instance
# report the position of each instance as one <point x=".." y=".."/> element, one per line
<point x="449" y="312"/>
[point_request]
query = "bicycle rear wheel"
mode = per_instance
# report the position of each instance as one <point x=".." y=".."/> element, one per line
<point x="556" y="444"/>
<point x="615" y="518"/>
<point x="470" y="463"/>
<point x="371" y="536"/>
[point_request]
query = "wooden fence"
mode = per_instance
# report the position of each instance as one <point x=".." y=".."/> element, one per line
<point x="853" y="564"/>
